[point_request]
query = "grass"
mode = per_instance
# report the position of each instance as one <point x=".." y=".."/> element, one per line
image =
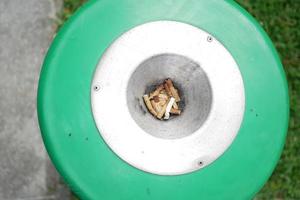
<point x="281" y="20"/>
<point x="69" y="7"/>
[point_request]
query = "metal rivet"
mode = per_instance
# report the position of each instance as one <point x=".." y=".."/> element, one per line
<point x="200" y="163"/>
<point x="209" y="39"/>
<point x="96" y="88"/>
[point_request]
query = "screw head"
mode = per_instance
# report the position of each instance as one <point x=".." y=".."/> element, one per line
<point x="200" y="163"/>
<point x="96" y="87"/>
<point x="209" y="39"/>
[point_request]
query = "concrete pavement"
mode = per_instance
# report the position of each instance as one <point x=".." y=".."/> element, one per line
<point x="26" y="29"/>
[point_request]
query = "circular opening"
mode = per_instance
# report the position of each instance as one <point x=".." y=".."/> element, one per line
<point x="194" y="88"/>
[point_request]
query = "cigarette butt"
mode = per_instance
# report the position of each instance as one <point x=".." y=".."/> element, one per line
<point x="162" y="111"/>
<point x="173" y="90"/>
<point x="157" y="91"/>
<point x="175" y="111"/>
<point x="148" y="104"/>
<point x="169" y="107"/>
<point x="156" y="106"/>
<point x="168" y="90"/>
<point x="175" y="105"/>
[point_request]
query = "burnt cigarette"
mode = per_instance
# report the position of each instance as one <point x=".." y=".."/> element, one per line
<point x="162" y="111"/>
<point x="175" y="111"/>
<point x="175" y="106"/>
<point x="148" y="105"/>
<point x="157" y="91"/>
<point x="168" y="89"/>
<point x="173" y="90"/>
<point x="156" y="106"/>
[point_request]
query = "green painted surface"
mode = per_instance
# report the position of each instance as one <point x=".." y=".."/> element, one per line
<point x="92" y="170"/>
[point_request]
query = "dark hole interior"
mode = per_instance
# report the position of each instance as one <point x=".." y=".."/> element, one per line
<point x="194" y="88"/>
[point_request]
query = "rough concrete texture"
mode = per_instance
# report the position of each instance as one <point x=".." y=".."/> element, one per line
<point x="26" y="29"/>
